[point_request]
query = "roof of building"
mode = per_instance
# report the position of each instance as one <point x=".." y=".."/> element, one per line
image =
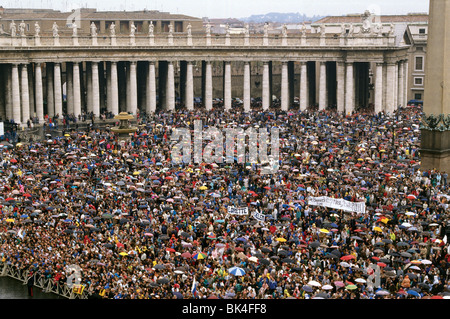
<point x="93" y="14"/>
<point x="407" y="18"/>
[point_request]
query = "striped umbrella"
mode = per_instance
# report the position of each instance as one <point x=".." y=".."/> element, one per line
<point x="237" y="271"/>
<point x="198" y="256"/>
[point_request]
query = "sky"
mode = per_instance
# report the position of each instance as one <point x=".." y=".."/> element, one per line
<point x="234" y="8"/>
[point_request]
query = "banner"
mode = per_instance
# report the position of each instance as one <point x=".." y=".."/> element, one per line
<point x="237" y="210"/>
<point x="258" y="216"/>
<point x="338" y="203"/>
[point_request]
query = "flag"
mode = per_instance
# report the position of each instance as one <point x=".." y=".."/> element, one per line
<point x="102" y="141"/>
<point x="78" y="289"/>
<point x="194" y="288"/>
<point x="21" y="233"/>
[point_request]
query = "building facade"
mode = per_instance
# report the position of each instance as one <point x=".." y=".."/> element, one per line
<point x="357" y="68"/>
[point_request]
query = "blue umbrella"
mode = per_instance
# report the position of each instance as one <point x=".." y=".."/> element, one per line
<point x="237" y="271"/>
<point x="24" y="216"/>
<point x="413" y="292"/>
<point x="307" y="288"/>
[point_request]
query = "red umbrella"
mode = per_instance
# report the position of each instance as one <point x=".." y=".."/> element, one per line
<point x="411" y="196"/>
<point x="170" y="250"/>
<point x="375" y="258"/>
<point x="186" y="255"/>
<point x="437" y="297"/>
<point x="348" y="257"/>
<point x="9" y="198"/>
<point x="267" y="187"/>
<point x="27" y="195"/>
<point x="13" y="160"/>
<point x="381" y="264"/>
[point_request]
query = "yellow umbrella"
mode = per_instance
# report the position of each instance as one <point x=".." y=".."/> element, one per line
<point x="382" y="151"/>
<point x="281" y="240"/>
<point x="325" y="231"/>
<point x="360" y="159"/>
<point x="67" y="135"/>
<point x="19" y="144"/>
<point x="123" y="254"/>
<point x="378" y="229"/>
<point x="203" y="188"/>
<point x="10" y="220"/>
<point x="136" y="173"/>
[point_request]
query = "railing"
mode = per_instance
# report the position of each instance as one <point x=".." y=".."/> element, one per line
<point x="46" y="284"/>
<point x="179" y="40"/>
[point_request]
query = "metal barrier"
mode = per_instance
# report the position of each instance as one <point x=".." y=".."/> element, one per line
<point x="48" y="285"/>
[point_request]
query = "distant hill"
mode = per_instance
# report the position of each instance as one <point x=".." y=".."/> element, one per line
<point x="280" y="18"/>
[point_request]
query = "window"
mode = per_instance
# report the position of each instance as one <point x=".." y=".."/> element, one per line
<point x="124" y="26"/>
<point x="421" y="31"/>
<point x="418" y="81"/>
<point x="418" y="96"/>
<point x="107" y="25"/>
<point x="178" y="27"/>
<point x="165" y="26"/>
<point x="138" y="25"/>
<point x="28" y="27"/>
<point x="419" y="63"/>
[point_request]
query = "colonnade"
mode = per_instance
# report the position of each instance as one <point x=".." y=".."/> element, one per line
<point x="112" y="86"/>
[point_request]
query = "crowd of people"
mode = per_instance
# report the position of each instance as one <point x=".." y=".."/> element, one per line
<point x="140" y="226"/>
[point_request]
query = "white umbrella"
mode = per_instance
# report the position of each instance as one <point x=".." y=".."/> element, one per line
<point x="327" y="287"/>
<point x="382" y="293"/>
<point x="314" y="283"/>
<point x="426" y="262"/>
<point x="360" y="280"/>
<point x="345" y="264"/>
<point x="406" y="224"/>
<point x="237" y="271"/>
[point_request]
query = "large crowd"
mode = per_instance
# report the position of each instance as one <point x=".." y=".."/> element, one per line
<point x="140" y="226"/>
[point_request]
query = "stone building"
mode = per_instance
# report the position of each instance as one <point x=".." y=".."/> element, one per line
<point x="334" y="65"/>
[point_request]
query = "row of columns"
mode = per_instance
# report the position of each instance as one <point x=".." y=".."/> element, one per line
<point x="390" y="87"/>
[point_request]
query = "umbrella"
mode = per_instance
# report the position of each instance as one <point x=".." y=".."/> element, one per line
<point x="327" y="287"/>
<point x="413" y="293"/>
<point x="178" y="295"/>
<point x="314" y="283"/>
<point x="162" y="281"/>
<point x="198" y="256"/>
<point x="351" y="287"/>
<point x="307" y="288"/>
<point x="237" y="271"/>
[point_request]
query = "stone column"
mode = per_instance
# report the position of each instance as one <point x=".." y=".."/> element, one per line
<point x="31" y="89"/>
<point x="266" y="98"/>
<point x="208" y="86"/>
<point x="25" y="99"/>
<point x="89" y="100"/>
<point x="396" y="86"/>
<point x="401" y="94"/>
<point x="170" y="86"/>
<point x="340" y="90"/>
<point x="405" y="85"/>
<point x="8" y="92"/>
<point x="39" y="93"/>
<point x="95" y="89"/>
<point x="50" y="91"/>
<point x="58" y="90"/>
<point x="227" y="86"/>
<point x="69" y="87"/>
<point x="114" y="89"/>
<point x="378" y="88"/>
<point x="189" y="86"/>
<point x="76" y="89"/>
<point x="108" y="86"/>
<point x="349" y="89"/>
<point x="390" y="88"/>
<point x="15" y="93"/>
<point x="303" y="86"/>
<point x="322" y="86"/>
<point x="132" y="108"/>
<point x="247" y="87"/>
<point x="284" y="87"/>
<point x="435" y="140"/>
